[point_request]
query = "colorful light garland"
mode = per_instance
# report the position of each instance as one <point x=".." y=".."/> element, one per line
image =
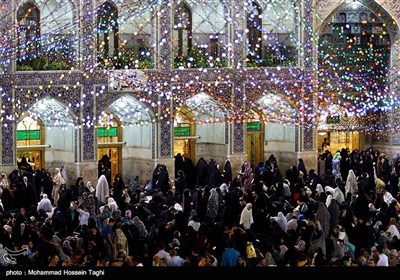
<point x="353" y="74"/>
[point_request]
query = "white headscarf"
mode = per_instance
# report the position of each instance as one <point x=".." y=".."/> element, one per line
<point x="223" y="188"/>
<point x="282" y="222"/>
<point x="319" y="189"/>
<point x="338" y="196"/>
<point x="328" y="200"/>
<point x="330" y="189"/>
<point x="351" y="183"/>
<point x="292" y="224"/>
<point x="246" y="217"/>
<point x="194" y="225"/>
<point x="393" y="231"/>
<point x="102" y="189"/>
<point x="45" y="204"/>
<point x="112" y="204"/>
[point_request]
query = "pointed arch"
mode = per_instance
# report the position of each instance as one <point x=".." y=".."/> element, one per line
<point x="28" y="31"/>
<point x="133" y="119"/>
<point x="184" y="115"/>
<point x="276" y="109"/>
<point x="206" y="109"/>
<point x="183" y="29"/>
<point x="52" y="112"/>
<point x="107" y="33"/>
<point x="209" y="118"/>
<point x="254" y="26"/>
<point x="375" y="8"/>
<point x="273" y="32"/>
<point x="137" y="34"/>
<point x="355" y="57"/>
<point x="50" y="134"/>
<point x="130" y="111"/>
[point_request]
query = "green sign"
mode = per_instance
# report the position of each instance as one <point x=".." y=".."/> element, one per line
<point x="28" y="135"/>
<point x="253" y="126"/>
<point x="181" y="131"/>
<point x="107" y="132"/>
<point x="333" y="119"/>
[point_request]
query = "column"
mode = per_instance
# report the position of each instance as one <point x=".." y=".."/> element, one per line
<point x="8" y="141"/>
<point x="164" y="53"/>
<point x="238" y="22"/>
<point x="306" y="135"/>
<point x="165" y="64"/>
<point x="395" y="88"/>
<point x="88" y="34"/>
<point x="88" y="122"/>
<point x="308" y="89"/>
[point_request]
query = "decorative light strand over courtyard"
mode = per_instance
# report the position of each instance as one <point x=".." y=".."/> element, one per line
<point x="344" y="74"/>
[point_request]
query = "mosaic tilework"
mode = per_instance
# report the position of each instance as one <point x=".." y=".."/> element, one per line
<point x="88" y="132"/>
<point x="394" y="9"/>
<point x="239" y="24"/>
<point x="258" y="78"/>
<point x="220" y="92"/>
<point x="395" y="117"/>
<point x="165" y="43"/>
<point x="308" y="33"/>
<point x="325" y="9"/>
<point x="239" y="135"/>
<point x="87" y="28"/>
<point x="308" y="138"/>
<point x="44" y="78"/>
<point x="226" y="133"/>
<point x="153" y="141"/>
<point x="30" y="95"/>
<point x="6" y="39"/>
<point x="7" y="131"/>
<point x="238" y="138"/>
<point x="165" y="128"/>
<point x="308" y="131"/>
<point x="396" y="126"/>
<point x="105" y="99"/>
<point x="296" y="139"/>
<point x="76" y="146"/>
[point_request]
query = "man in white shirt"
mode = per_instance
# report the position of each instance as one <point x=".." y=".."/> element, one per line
<point x="175" y="260"/>
<point x="387" y="197"/>
<point x="383" y="258"/>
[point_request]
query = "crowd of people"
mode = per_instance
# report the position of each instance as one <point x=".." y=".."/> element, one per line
<point x="346" y="213"/>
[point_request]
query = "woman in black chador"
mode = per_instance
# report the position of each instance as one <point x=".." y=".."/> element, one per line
<point x="201" y="172"/>
<point x="118" y="187"/>
<point x="227" y="172"/>
<point x="104" y="168"/>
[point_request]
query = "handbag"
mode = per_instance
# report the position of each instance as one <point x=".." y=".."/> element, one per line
<point x="250" y="251"/>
